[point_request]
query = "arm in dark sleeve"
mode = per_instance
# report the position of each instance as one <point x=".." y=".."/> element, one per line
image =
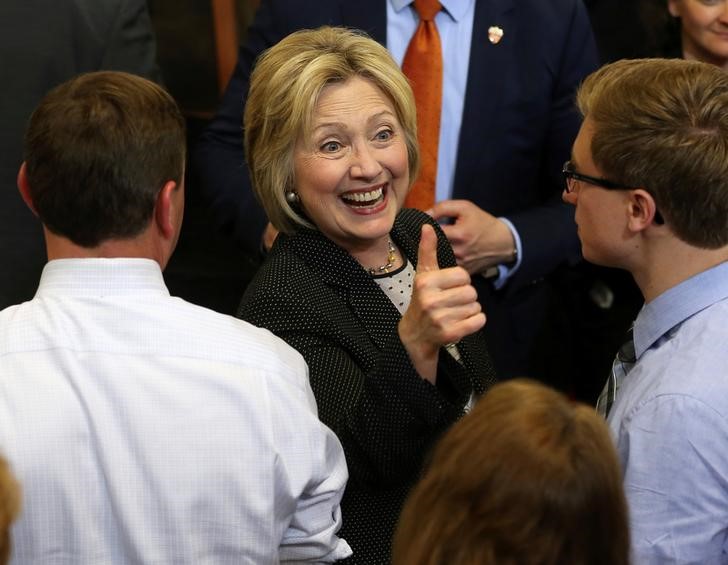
<point x="386" y="417"/>
<point x="218" y="158"/>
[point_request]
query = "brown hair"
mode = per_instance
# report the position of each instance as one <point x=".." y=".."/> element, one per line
<point x="527" y="478"/>
<point x="9" y="508"/>
<point x="284" y="89"/>
<point x="662" y="124"/>
<point x="97" y="150"/>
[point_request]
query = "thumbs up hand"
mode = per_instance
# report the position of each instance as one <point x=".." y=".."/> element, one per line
<point x="427" y="251"/>
<point x="443" y="309"/>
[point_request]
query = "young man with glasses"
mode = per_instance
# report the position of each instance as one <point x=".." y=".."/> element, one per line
<point x="649" y="179"/>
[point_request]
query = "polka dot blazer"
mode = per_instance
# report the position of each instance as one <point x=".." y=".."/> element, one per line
<point x="314" y="295"/>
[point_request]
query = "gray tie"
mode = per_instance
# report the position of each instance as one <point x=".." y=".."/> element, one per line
<point x="622" y="364"/>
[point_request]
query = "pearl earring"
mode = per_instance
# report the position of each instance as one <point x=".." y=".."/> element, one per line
<point x="292" y="198"/>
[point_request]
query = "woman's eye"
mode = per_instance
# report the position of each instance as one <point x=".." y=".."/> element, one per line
<point x="384" y="135"/>
<point x="331" y="147"/>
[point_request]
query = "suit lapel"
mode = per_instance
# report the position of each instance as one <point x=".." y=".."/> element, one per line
<point x="367" y="15"/>
<point x="340" y="271"/>
<point x="488" y="64"/>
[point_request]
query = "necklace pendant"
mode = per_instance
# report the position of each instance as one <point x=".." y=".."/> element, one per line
<point x="391" y="258"/>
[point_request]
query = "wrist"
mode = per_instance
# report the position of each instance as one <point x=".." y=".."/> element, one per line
<point x="511" y="257"/>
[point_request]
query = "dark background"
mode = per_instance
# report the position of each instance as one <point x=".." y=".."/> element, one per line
<point x="206" y="268"/>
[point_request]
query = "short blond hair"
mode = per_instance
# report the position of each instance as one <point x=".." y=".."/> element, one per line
<point x="284" y="89"/>
<point x="662" y="124"/>
<point x="9" y="508"/>
<point x="529" y="478"/>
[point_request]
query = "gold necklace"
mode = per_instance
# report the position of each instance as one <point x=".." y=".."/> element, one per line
<point x="391" y="258"/>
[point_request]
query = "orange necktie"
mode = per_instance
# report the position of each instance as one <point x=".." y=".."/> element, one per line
<point x="423" y="66"/>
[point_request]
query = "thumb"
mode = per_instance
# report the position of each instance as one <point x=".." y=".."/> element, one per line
<point x="427" y="251"/>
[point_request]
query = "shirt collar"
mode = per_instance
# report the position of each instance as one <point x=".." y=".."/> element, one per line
<point x="677" y="304"/>
<point x="455" y="8"/>
<point x="101" y="277"/>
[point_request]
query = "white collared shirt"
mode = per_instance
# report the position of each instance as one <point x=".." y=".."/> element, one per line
<point x="144" y="429"/>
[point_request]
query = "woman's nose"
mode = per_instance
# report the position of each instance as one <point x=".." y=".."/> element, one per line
<point x="364" y="163"/>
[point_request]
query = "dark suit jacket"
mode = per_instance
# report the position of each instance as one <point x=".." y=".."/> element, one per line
<point x="314" y="295"/>
<point x="42" y="44"/>
<point x="518" y="126"/>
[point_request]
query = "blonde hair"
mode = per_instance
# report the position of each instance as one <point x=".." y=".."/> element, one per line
<point x="284" y="89"/>
<point x="662" y="124"/>
<point x="9" y="508"/>
<point x="527" y="478"/>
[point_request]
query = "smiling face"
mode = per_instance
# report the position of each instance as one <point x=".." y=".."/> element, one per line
<point x="601" y="214"/>
<point x="704" y="29"/>
<point x="351" y="170"/>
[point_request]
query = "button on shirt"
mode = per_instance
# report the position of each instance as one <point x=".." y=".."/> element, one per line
<point x="145" y="429"/>
<point x="670" y="420"/>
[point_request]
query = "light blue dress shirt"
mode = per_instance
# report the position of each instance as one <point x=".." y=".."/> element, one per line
<point x="455" y="26"/>
<point x="670" y="421"/>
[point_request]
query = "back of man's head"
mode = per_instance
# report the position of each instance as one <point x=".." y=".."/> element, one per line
<point x="97" y="151"/>
<point x="662" y="124"/>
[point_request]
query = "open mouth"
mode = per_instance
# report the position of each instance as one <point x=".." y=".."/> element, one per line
<point x="364" y="199"/>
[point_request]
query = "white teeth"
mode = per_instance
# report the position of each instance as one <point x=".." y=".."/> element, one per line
<point x="364" y="196"/>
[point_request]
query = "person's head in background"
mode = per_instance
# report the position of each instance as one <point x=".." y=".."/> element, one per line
<point x="9" y="508"/>
<point x="528" y="477"/>
<point x="103" y="168"/>
<point x="703" y="29"/>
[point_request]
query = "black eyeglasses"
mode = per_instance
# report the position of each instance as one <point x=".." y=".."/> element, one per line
<point x="571" y="176"/>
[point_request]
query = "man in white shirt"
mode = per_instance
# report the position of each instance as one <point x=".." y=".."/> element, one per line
<point x="144" y="429"/>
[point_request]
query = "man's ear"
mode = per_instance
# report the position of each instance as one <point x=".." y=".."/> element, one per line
<point x="642" y="210"/>
<point x="24" y="188"/>
<point x="165" y="214"/>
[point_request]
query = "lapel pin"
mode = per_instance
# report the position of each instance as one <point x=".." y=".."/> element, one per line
<point x="495" y="34"/>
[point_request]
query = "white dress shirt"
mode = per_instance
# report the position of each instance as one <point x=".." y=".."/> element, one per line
<point x="144" y="429"/>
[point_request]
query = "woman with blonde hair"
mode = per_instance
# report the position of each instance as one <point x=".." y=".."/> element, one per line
<point x="367" y="292"/>
<point x="527" y="478"/>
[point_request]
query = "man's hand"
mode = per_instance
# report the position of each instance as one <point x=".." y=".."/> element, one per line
<point x="444" y="308"/>
<point x="479" y="239"/>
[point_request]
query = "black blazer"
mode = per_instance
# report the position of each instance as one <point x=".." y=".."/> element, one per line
<point x="519" y="121"/>
<point x="315" y="296"/>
